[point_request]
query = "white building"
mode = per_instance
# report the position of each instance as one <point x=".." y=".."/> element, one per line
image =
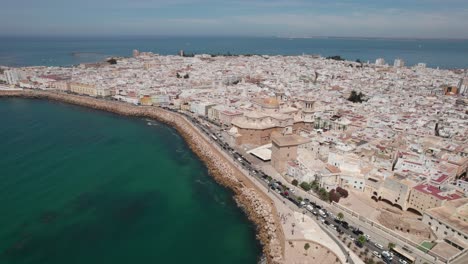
<point x="380" y="62"/>
<point x="463" y="86"/>
<point x="450" y="222"/>
<point x="398" y="63"/>
<point x="12" y="76"/>
<point x="200" y="108"/>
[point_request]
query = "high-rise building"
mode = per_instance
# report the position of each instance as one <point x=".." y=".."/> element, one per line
<point x="12" y="76"/>
<point x="398" y="63"/>
<point x="380" y="62"/>
<point x="463" y="86"/>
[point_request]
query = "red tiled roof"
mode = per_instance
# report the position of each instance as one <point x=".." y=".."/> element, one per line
<point x="434" y="191"/>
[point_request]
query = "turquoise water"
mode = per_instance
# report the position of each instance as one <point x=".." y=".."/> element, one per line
<point x="60" y="51"/>
<point x="83" y="186"/>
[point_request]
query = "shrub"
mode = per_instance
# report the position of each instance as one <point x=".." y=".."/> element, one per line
<point x="305" y="186"/>
<point x="306" y="246"/>
<point x="295" y="182"/>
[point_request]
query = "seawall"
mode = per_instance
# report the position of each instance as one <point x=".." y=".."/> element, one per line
<point x="254" y="201"/>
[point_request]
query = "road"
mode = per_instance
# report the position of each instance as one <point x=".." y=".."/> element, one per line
<point x="311" y="208"/>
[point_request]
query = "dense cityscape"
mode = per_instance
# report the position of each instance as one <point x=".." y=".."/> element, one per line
<point x="374" y="155"/>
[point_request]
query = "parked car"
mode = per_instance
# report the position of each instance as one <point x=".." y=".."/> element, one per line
<point x="378" y="246"/>
<point x="345" y="224"/>
<point x="375" y="253"/>
<point x="358" y="232"/>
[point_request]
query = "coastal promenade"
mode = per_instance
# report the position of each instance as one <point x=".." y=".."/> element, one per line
<point x="257" y="205"/>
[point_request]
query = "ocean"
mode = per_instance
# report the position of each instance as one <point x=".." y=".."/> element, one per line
<point x="84" y="186"/>
<point x="65" y="51"/>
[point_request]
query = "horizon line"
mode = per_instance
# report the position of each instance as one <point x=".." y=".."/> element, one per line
<point x="224" y="36"/>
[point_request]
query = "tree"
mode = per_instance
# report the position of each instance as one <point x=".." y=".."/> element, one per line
<point x="178" y="75"/>
<point x="112" y="61"/>
<point x="342" y="192"/>
<point x="306" y="246"/>
<point x="314" y="185"/>
<point x="356" y="97"/>
<point x="391" y="245"/>
<point x="305" y="186"/>
<point x="323" y="194"/>
<point x="362" y="239"/>
<point x="334" y="196"/>
<point x="295" y="182"/>
<point x="340" y="216"/>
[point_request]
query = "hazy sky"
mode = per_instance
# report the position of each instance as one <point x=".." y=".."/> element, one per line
<point x="373" y="18"/>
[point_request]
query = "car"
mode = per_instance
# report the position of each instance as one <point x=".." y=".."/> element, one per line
<point x="326" y="222"/>
<point x="375" y="253"/>
<point x="309" y="208"/>
<point x="402" y="261"/>
<point x="377" y="245"/>
<point x="367" y="237"/>
<point x="358" y="232"/>
<point x="337" y="221"/>
<point x="345" y="224"/>
<point x="387" y="255"/>
<point x="306" y="200"/>
<point x="314" y="212"/>
<point x="302" y="204"/>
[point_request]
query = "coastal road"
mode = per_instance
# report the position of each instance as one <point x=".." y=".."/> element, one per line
<point x="327" y="221"/>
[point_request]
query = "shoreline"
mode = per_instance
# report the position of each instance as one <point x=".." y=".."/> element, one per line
<point x="255" y="203"/>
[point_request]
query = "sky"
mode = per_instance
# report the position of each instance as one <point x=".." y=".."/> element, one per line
<point x="285" y="18"/>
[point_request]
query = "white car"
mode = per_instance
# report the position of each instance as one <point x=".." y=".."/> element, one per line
<point x="402" y="261"/>
<point x="378" y="246"/>
<point x="375" y="253"/>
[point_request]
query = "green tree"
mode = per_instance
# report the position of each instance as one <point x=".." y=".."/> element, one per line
<point x="314" y="185"/>
<point x="323" y="194"/>
<point x="306" y="246"/>
<point x="361" y="239"/>
<point x="305" y="186"/>
<point x="340" y="216"/>
<point x="295" y="182"/>
<point x="391" y="245"/>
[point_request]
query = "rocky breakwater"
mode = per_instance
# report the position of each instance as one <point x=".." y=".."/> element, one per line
<point x="254" y="201"/>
